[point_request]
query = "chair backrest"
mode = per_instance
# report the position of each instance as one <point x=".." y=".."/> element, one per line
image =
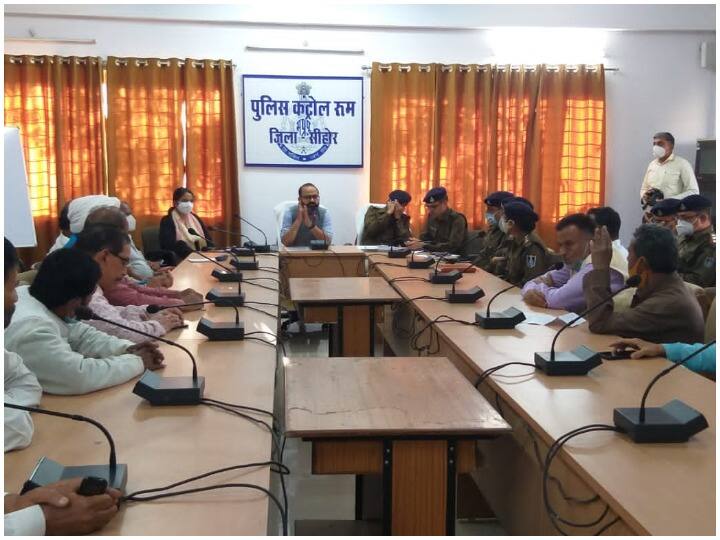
<point x="279" y="212"/>
<point x="360" y="219"/>
<point x="150" y="239"/>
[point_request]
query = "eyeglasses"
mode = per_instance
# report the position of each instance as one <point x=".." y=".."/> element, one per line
<point x="310" y="197"/>
<point x="124" y="260"/>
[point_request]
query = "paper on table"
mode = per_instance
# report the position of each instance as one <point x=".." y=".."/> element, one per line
<point x="544" y="319"/>
<point x="297" y="248"/>
<point x="569" y="317"/>
<point x="197" y="260"/>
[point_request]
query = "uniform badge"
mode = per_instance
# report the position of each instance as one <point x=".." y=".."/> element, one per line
<point x="531" y="261"/>
<point x="709" y="262"/>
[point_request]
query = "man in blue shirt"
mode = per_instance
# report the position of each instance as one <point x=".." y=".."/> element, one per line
<point x="306" y="220"/>
<point x="675" y="352"/>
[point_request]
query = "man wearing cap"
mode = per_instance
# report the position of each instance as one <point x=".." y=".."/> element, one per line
<point x="664" y="213"/>
<point x="389" y="226"/>
<point x="446" y="229"/>
<point x="668" y="174"/>
<point x="526" y="257"/>
<point x="696" y="248"/>
<point x="494" y="237"/>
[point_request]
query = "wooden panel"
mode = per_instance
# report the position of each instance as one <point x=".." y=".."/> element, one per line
<point x="356" y="331"/>
<point x="342" y="290"/>
<point x="344" y="397"/>
<point x="466" y="461"/>
<point x="347" y="457"/>
<point x="419" y="487"/>
<point x="319" y="314"/>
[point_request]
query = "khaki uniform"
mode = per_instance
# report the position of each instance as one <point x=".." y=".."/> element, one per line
<point x="381" y="228"/>
<point x="446" y="233"/>
<point x="491" y="244"/>
<point x="526" y="258"/>
<point x="697" y="258"/>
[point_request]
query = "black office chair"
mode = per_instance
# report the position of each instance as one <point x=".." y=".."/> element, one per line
<point x="151" y="247"/>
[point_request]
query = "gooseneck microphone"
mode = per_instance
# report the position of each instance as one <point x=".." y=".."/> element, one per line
<point x="673" y="422"/>
<point x="228" y="275"/>
<point x="444" y="277"/>
<point x="240" y="251"/>
<point x="464" y="296"/>
<point x="159" y="390"/>
<point x="257" y="247"/>
<point x="582" y="359"/>
<point x="214" y="331"/>
<point x="48" y="471"/>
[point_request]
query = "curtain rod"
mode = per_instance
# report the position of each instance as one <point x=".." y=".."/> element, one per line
<point x="469" y="67"/>
<point x="34" y="59"/>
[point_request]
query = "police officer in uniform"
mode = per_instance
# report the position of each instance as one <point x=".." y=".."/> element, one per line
<point x="526" y="257"/>
<point x="389" y="226"/>
<point x="446" y="229"/>
<point x="494" y="237"/>
<point x="696" y="247"/>
<point x="664" y="213"/>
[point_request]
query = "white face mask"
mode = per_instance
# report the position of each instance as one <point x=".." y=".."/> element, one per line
<point x="185" y="207"/>
<point x="684" y="228"/>
<point x="131" y="222"/>
<point x="503" y="225"/>
<point x="658" y="151"/>
<point x="490" y="218"/>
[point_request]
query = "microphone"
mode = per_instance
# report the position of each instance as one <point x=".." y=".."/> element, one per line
<point x="503" y="320"/>
<point x="48" y="471"/>
<point x="398" y="252"/>
<point x="444" y="277"/>
<point x="464" y="296"/>
<point x="582" y="359"/>
<point x="412" y="263"/>
<point x="673" y="422"/>
<point x="260" y="248"/>
<point x="214" y="331"/>
<point x="235" y="250"/>
<point x="159" y="390"/>
<point x="227" y="275"/>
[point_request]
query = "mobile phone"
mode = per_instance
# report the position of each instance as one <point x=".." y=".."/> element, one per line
<point x="616" y="355"/>
<point x="221" y="258"/>
<point x="92" y="485"/>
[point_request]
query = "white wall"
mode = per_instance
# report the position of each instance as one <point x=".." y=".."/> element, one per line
<point x="660" y="86"/>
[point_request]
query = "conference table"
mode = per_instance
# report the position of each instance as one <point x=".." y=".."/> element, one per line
<point x="162" y="445"/>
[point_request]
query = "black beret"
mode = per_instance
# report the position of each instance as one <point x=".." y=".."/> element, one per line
<point x="693" y="203"/>
<point x="496" y="199"/>
<point x="435" y="194"/>
<point x="403" y="197"/>
<point x="665" y="207"/>
<point x="518" y="210"/>
<point x="522" y="200"/>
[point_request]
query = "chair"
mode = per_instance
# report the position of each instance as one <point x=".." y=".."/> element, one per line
<point x="150" y="239"/>
<point x="279" y="211"/>
<point x="360" y="219"/>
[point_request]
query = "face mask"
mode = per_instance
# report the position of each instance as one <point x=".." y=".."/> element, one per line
<point x="658" y="151"/>
<point x="503" y="225"/>
<point x="185" y="207"/>
<point x="490" y="218"/>
<point x="131" y="223"/>
<point x="684" y="228"/>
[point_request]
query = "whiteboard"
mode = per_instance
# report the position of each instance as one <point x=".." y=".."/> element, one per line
<point x="19" y="226"/>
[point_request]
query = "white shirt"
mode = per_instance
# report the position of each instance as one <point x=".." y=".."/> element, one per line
<point x="21" y="388"/>
<point x="29" y="521"/>
<point x="138" y="263"/>
<point x="622" y="249"/>
<point x="60" y="242"/>
<point x="674" y="177"/>
<point x="67" y="358"/>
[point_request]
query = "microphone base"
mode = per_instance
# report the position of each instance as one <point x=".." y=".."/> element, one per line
<point x="221" y="331"/>
<point x="575" y="362"/>
<point x="259" y="248"/>
<point x="244" y="265"/>
<point x="503" y="320"/>
<point x="242" y="251"/>
<point x="445" y="278"/>
<point x="225" y="298"/>
<point x="674" y="422"/>
<point x="318" y="244"/>
<point x="169" y="390"/>
<point x="48" y="471"/>
<point x="398" y="253"/>
<point x="420" y="264"/>
<point x="465" y="296"/>
<point x="226" y="277"/>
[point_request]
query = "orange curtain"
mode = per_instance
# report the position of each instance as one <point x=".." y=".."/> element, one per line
<point x="56" y="104"/>
<point x="212" y="171"/>
<point x="145" y="134"/>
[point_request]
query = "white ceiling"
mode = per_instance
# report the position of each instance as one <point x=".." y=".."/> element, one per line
<point x="665" y="17"/>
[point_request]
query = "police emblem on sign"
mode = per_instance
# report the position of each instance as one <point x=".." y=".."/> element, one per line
<point x="531" y="261"/>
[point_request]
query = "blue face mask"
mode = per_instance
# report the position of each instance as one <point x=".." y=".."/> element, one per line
<point x="490" y="218"/>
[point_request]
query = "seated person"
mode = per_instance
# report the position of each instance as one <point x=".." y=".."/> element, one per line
<point x="703" y="362"/>
<point x="664" y="213"/>
<point x="110" y="248"/>
<point x="64" y="224"/>
<point x="526" y="256"/>
<point x="182" y="231"/>
<point x="663" y="310"/>
<point x="608" y="217"/>
<point x="563" y="288"/>
<point x="306" y="221"/>
<point x="696" y="248"/>
<point x="446" y="229"/>
<point x="127" y="292"/>
<point x="21" y="386"/>
<point x="77" y="212"/>
<point x="68" y="356"/>
<point x="389" y="226"/>
<point x="494" y="237"/>
<point x="150" y="272"/>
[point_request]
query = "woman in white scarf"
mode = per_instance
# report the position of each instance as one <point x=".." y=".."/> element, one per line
<point x="181" y="230"/>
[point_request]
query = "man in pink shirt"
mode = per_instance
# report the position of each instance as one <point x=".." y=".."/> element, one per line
<point x="563" y="288"/>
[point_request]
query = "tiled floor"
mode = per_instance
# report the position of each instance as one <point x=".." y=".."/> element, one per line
<point x="333" y="497"/>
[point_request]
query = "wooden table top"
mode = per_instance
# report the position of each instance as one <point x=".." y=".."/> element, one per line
<point x="366" y="397"/>
<point x="162" y="445"/>
<point x="666" y="489"/>
<point x="342" y="289"/>
<point x="333" y="250"/>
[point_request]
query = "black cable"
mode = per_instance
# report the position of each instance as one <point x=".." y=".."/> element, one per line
<point x="246" y="407"/>
<point x="408" y="278"/>
<point x="339" y="260"/>
<point x="606" y="527"/>
<point x="262" y="286"/>
<point x="273" y="315"/>
<point x="492" y="370"/>
<point x="269" y="269"/>
<point x="259" y="278"/>
<point x="262" y="303"/>
<point x="436" y="320"/>
<point x="238" y="413"/>
<point x="282" y="345"/>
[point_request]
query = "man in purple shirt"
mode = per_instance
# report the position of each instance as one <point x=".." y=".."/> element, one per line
<point x="563" y="289"/>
